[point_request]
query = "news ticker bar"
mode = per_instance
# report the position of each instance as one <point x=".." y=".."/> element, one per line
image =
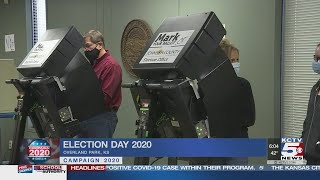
<point x="84" y="172"/>
<point x="201" y="168"/>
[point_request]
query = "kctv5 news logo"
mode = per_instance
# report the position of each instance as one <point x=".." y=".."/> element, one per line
<point x="292" y="150"/>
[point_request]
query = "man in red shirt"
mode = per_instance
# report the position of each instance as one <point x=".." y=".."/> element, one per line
<point x="109" y="73"/>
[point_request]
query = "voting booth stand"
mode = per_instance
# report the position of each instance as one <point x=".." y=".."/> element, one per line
<point x="187" y="86"/>
<point x="59" y="88"/>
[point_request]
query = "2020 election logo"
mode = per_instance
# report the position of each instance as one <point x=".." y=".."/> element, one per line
<point x="39" y="151"/>
<point x="292" y="149"/>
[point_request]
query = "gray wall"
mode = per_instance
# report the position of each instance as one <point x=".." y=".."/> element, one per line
<point x="252" y="25"/>
<point x="12" y="21"/>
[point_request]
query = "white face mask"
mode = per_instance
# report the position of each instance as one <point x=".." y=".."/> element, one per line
<point x="236" y="67"/>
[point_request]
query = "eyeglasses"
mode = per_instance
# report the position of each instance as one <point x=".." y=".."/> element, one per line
<point x="316" y="58"/>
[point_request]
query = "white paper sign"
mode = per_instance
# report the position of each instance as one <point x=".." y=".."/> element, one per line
<point x="166" y="47"/>
<point x="161" y="54"/>
<point x="40" y="53"/>
<point x="9" y="43"/>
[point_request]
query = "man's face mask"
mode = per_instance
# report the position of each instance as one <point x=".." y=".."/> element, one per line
<point x="316" y="67"/>
<point x="92" y="55"/>
<point x="316" y="64"/>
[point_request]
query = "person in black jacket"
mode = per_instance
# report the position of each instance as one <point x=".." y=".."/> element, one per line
<point x="247" y="109"/>
<point x="311" y="125"/>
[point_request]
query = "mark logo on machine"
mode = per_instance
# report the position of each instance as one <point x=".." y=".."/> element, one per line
<point x="179" y="38"/>
<point x="39" y="47"/>
<point x="166" y="47"/>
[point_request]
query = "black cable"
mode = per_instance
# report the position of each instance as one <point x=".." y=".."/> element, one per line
<point x="156" y="160"/>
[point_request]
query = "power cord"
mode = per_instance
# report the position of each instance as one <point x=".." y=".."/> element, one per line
<point x="156" y="160"/>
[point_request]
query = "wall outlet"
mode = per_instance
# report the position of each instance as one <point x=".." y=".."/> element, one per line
<point x="10" y="144"/>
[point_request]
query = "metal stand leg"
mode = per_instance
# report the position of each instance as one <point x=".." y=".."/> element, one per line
<point x="142" y="131"/>
<point x="20" y="125"/>
<point x="141" y="160"/>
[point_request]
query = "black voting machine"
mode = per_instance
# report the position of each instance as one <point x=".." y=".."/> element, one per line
<point x="187" y="86"/>
<point x="59" y="88"/>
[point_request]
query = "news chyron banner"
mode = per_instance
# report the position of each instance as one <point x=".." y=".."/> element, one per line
<point x="111" y="151"/>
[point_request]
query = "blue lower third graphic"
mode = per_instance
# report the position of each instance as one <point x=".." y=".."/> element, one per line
<point x="173" y="147"/>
